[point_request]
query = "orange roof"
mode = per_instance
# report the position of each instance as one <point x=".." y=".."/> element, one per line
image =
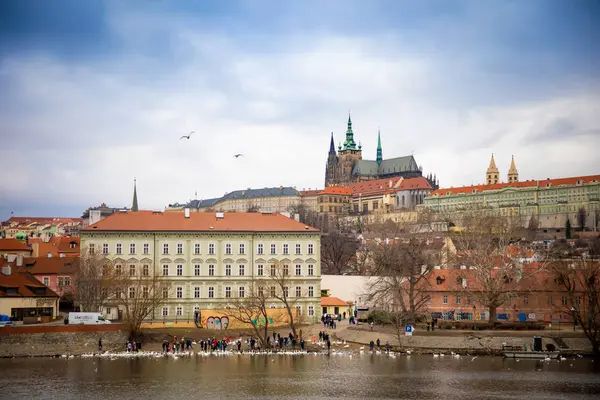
<point x="517" y="185"/>
<point x="44" y="220"/>
<point x="332" y="301"/>
<point x="24" y="282"/>
<point x="336" y="190"/>
<point x="64" y="244"/>
<point x="376" y="186"/>
<point x="310" y="192"/>
<point x="52" y="265"/>
<point x="198" y="221"/>
<point x="13" y="245"/>
<point x="44" y="248"/>
<point x="414" y="183"/>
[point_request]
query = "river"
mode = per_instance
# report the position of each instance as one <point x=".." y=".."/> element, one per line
<point x="306" y="377"/>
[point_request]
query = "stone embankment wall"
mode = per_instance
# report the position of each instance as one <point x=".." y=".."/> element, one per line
<point x="59" y="343"/>
<point x="468" y="343"/>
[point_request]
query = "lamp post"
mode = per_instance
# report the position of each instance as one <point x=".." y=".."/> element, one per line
<point x="574" y="314"/>
<point x="474" y="308"/>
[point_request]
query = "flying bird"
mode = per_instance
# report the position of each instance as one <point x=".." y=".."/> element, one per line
<point x="188" y="136"/>
<point x="238" y="155"/>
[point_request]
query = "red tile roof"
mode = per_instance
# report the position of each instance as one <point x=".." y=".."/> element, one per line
<point x="414" y="183"/>
<point x="336" y="190"/>
<point x="314" y="192"/>
<point x="64" y="244"/>
<point x="376" y="186"/>
<point x="44" y="220"/>
<point x="199" y="221"/>
<point x="332" y="301"/>
<point x="24" y="282"/>
<point x="517" y="185"/>
<point x="50" y="266"/>
<point x="13" y="245"/>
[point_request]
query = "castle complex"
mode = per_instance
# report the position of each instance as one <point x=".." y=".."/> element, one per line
<point x="347" y="165"/>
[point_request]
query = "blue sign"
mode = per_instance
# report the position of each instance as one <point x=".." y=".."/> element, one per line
<point x="408" y="329"/>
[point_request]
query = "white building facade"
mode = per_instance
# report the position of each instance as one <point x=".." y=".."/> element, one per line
<point x="208" y="259"/>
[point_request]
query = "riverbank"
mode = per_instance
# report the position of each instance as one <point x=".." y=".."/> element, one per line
<point x="39" y="341"/>
<point x="461" y="342"/>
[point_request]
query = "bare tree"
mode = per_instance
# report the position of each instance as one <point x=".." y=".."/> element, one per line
<point x="338" y="253"/>
<point x="280" y="277"/>
<point x="253" y="208"/>
<point x="305" y="215"/>
<point x="252" y="309"/>
<point x="400" y="256"/>
<point x="578" y="274"/>
<point x="581" y="218"/>
<point x="95" y="281"/>
<point x="138" y="295"/>
<point x="490" y="248"/>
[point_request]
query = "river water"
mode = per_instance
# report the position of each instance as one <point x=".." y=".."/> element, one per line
<point x="298" y="377"/>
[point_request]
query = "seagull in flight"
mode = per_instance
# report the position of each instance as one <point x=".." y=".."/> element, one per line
<point x="188" y="136"/>
<point x="238" y="155"/>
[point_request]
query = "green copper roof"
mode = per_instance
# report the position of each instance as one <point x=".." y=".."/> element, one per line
<point x="379" y="158"/>
<point x="349" y="144"/>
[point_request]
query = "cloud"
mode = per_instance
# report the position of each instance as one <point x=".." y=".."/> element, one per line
<point x="78" y="129"/>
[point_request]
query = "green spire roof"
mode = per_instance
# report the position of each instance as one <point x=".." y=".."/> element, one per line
<point x="379" y="150"/>
<point x="134" y="206"/>
<point x="349" y="144"/>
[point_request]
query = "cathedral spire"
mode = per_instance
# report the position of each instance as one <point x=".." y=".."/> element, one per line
<point x="491" y="175"/>
<point x="349" y="144"/>
<point x="379" y="150"/>
<point x="332" y="145"/>
<point x="134" y="206"/>
<point x="513" y="174"/>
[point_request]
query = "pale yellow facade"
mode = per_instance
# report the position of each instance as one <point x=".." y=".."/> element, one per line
<point x="7" y="304"/>
<point x="207" y="270"/>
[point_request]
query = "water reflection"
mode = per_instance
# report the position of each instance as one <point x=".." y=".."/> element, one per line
<point x="276" y="377"/>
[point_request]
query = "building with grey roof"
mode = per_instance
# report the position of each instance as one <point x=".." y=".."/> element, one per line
<point x="274" y="199"/>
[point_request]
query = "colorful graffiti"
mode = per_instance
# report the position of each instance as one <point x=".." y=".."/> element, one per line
<point x="261" y="321"/>
<point x="218" y="323"/>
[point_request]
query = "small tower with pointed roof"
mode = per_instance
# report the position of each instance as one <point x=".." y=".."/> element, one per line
<point x="513" y="174"/>
<point x="491" y="175"/>
<point x="332" y="164"/>
<point x="379" y="158"/>
<point x="134" y="205"/>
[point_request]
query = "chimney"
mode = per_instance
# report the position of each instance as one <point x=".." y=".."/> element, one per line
<point x="6" y="270"/>
<point x="464" y="282"/>
<point x="20" y="260"/>
<point x="36" y="249"/>
<point x="186" y="212"/>
<point x="297" y="217"/>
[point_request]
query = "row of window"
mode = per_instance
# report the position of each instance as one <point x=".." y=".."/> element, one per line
<point x="210" y="293"/>
<point x="563" y="300"/>
<point x="241" y="270"/>
<point x="197" y="248"/>
<point x="63" y="281"/>
<point x="179" y="311"/>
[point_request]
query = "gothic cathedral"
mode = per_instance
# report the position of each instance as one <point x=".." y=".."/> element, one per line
<point x="347" y="165"/>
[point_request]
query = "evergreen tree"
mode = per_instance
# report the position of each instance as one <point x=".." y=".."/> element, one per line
<point x="568" y="229"/>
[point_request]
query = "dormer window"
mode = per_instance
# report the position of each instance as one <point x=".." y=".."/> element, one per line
<point x="548" y="184"/>
<point x="579" y="182"/>
<point x="72" y="245"/>
<point x="439" y="280"/>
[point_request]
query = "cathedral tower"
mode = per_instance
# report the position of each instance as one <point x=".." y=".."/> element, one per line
<point x="379" y="158"/>
<point x="332" y="165"/>
<point x="491" y="175"/>
<point x="513" y="174"/>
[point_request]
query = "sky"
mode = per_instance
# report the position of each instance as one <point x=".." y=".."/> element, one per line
<point x="96" y="93"/>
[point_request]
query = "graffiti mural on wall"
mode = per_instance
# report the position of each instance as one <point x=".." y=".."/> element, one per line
<point x="218" y="323"/>
<point x="261" y="321"/>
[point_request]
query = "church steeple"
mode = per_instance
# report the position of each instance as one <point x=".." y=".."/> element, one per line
<point x="491" y="175"/>
<point x="332" y="145"/>
<point x="134" y="206"/>
<point x="513" y="174"/>
<point x="349" y="144"/>
<point x="379" y="150"/>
